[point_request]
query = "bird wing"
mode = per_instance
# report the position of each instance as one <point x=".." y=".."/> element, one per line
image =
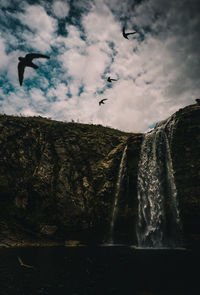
<point x="123" y="31"/>
<point x="104" y="99"/>
<point x="131" y="33"/>
<point x="29" y="266"/>
<point x="23" y="264"/>
<point x="20" y="261"/>
<point x="30" y="56"/>
<point x="21" y="68"/>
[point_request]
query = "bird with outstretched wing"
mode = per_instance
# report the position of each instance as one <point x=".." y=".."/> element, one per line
<point x="126" y="34"/>
<point x="27" y="62"/>
<point x="110" y="80"/>
<point x="102" y="101"/>
<point x="23" y="264"/>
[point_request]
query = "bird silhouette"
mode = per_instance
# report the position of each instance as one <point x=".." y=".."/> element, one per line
<point x="110" y="80"/>
<point x="102" y="101"/>
<point x="23" y="264"/>
<point x="126" y="34"/>
<point x="27" y="62"/>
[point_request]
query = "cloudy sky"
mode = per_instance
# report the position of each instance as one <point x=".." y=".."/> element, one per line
<point x="157" y="69"/>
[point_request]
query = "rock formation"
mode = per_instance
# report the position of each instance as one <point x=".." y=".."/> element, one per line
<point x="186" y="164"/>
<point x="58" y="180"/>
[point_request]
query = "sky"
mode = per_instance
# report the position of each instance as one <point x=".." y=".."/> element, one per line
<point x="157" y="69"/>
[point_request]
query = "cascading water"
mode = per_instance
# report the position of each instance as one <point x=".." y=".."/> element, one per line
<point x="116" y="198"/>
<point x="158" y="214"/>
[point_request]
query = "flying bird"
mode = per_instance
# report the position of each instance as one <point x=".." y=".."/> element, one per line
<point x="110" y="80"/>
<point x="102" y="101"/>
<point x="126" y="34"/>
<point x="25" y="265"/>
<point x="27" y="62"/>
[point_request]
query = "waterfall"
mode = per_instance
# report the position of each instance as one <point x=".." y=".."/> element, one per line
<point x="116" y="198"/>
<point x="158" y="214"/>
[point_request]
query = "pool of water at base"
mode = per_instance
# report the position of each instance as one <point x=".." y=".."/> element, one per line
<point x="103" y="269"/>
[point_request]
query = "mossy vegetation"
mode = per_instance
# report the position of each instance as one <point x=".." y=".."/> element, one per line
<point x="63" y="175"/>
<point x="60" y="174"/>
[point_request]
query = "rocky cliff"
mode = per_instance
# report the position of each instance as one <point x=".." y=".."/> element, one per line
<point x="186" y="163"/>
<point x="58" y="180"/>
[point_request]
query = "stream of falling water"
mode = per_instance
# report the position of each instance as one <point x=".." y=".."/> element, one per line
<point x="116" y="198"/>
<point x="158" y="214"/>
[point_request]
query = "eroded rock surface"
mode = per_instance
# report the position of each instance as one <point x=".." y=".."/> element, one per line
<point x="58" y="180"/>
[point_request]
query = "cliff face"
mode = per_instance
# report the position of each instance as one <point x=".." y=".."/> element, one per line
<point x="186" y="163"/>
<point x="58" y="180"/>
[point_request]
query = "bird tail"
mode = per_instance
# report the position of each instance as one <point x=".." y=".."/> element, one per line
<point x="34" y="66"/>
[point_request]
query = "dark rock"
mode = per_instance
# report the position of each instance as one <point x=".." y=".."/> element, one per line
<point x="63" y="176"/>
<point x="60" y="174"/>
<point x="48" y="230"/>
<point x="198" y="101"/>
<point x="186" y="163"/>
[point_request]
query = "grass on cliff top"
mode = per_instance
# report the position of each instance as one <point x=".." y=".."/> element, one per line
<point x="24" y="121"/>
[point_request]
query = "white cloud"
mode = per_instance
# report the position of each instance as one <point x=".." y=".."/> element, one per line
<point x="73" y="40"/>
<point x="149" y="87"/>
<point x="36" y="18"/>
<point x="60" y="92"/>
<point x="60" y="9"/>
<point x="156" y="75"/>
<point x="30" y="112"/>
<point x="100" y="24"/>
<point x="14" y="102"/>
<point x="85" y="63"/>
<point x="38" y="100"/>
<point x="42" y="26"/>
<point x="4" y="58"/>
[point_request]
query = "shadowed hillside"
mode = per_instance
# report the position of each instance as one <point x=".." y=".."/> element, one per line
<point x="58" y="179"/>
